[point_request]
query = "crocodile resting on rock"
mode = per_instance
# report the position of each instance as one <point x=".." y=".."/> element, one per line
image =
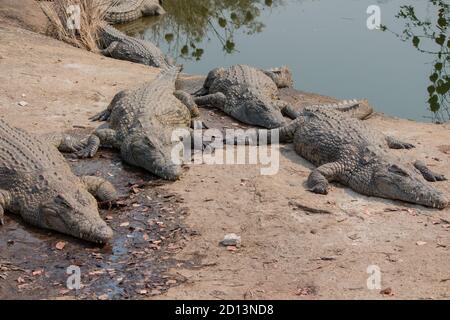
<point x="251" y="95"/>
<point x="117" y="45"/>
<point x="123" y="11"/>
<point x="37" y="183"/>
<point x="347" y="151"/>
<point x="141" y="122"/>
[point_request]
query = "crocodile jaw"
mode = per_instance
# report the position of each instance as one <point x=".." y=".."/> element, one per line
<point x="391" y="181"/>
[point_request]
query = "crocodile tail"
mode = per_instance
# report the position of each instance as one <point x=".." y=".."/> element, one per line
<point x="170" y="74"/>
<point x="358" y="109"/>
<point x="282" y="134"/>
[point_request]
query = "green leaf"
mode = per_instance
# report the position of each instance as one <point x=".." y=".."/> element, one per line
<point x="441" y="40"/>
<point x="185" y="50"/>
<point x="435" y="106"/>
<point x="433" y="99"/>
<point x="442" y="22"/>
<point x="169" y="37"/>
<point x="438" y="66"/>
<point x="431" y="90"/>
<point x="416" y="41"/>
<point x="222" y="22"/>
<point x="443" y="87"/>
<point x="229" y="46"/>
<point x="268" y="3"/>
<point x="434" y="77"/>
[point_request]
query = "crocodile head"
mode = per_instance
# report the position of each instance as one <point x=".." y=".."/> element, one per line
<point x="394" y="182"/>
<point x="75" y="213"/>
<point x="255" y="108"/>
<point x="209" y="81"/>
<point x="281" y="76"/>
<point x="151" y="153"/>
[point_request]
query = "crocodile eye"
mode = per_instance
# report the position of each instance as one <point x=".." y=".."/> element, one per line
<point x="397" y="170"/>
<point x="62" y="201"/>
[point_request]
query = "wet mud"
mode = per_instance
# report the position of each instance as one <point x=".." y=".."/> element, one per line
<point x="148" y="231"/>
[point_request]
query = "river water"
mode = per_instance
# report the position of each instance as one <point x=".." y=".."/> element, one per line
<point x="326" y="43"/>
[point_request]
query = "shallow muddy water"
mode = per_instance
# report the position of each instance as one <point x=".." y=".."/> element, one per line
<point x="327" y="45"/>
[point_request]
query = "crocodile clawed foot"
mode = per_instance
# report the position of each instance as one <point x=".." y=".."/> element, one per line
<point x="408" y="146"/>
<point x="320" y="189"/>
<point x="433" y="177"/>
<point x="102" y="116"/>
<point x="85" y="153"/>
<point x="397" y="144"/>
<point x="428" y="174"/>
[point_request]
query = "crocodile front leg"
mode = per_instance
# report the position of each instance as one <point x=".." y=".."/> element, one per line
<point x="5" y="201"/>
<point x="318" y="180"/>
<point x="188" y="101"/>
<point x="100" y="188"/>
<point x="106" y="137"/>
<point x="427" y="173"/>
<point x="217" y="100"/>
<point x="394" y="143"/>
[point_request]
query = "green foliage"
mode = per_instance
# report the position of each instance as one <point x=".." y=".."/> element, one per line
<point x="431" y="37"/>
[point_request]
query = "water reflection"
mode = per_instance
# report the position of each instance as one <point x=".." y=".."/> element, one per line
<point x="430" y="36"/>
<point x="190" y="22"/>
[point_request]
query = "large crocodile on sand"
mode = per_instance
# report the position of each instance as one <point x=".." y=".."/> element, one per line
<point x="38" y="184"/>
<point x="122" y="11"/>
<point x="115" y="44"/>
<point x="251" y="95"/>
<point x="141" y="122"/>
<point x="347" y="151"/>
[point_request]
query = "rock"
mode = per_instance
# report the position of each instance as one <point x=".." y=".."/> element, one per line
<point x="23" y="103"/>
<point x="387" y="292"/>
<point x="60" y="245"/>
<point x="232" y="240"/>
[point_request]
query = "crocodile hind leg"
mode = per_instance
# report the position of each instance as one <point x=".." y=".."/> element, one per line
<point x="5" y="200"/>
<point x="217" y="100"/>
<point x="394" y="143"/>
<point x="318" y="180"/>
<point x="105" y="137"/>
<point x="188" y="101"/>
<point x="105" y="114"/>
<point x="66" y="142"/>
<point x="427" y="173"/>
<point x="100" y="188"/>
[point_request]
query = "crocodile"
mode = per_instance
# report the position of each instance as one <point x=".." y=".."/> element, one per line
<point x="123" y="11"/>
<point x="247" y="94"/>
<point x="37" y="183"/>
<point x="251" y="95"/>
<point x="115" y="44"/>
<point x="345" y="150"/>
<point x="140" y="123"/>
